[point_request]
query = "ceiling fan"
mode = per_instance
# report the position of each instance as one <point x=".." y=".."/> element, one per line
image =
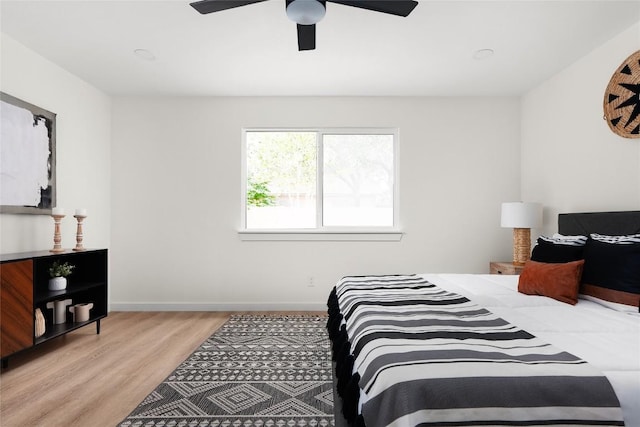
<point x="306" y="13"/>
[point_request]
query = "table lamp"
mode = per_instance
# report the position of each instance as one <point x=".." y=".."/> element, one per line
<point x="522" y="217"/>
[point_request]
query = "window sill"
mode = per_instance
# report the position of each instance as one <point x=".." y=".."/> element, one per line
<point x="327" y="236"/>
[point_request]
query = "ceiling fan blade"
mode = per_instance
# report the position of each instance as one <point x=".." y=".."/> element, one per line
<point x="393" y="7"/>
<point x="306" y="37"/>
<point x="208" y="6"/>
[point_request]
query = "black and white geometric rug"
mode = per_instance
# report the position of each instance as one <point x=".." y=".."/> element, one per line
<point x="255" y="371"/>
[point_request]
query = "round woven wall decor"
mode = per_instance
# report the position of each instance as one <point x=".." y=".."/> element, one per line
<point x="622" y="98"/>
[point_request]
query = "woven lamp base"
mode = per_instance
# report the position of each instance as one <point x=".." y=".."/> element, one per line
<point x="521" y="245"/>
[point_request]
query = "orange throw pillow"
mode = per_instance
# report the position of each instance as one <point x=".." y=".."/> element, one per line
<point x="559" y="281"/>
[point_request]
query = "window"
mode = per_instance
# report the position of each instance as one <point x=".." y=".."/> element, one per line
<point x="320" y="180"/>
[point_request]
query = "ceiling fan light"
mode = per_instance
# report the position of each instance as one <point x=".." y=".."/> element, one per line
<point x="306" y="12"/>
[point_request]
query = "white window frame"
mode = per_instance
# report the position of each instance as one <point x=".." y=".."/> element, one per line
<point x="321" y="232"/>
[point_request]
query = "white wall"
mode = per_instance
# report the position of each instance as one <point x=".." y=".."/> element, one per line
<point x="176" y="198"/>
<point x="571" y="160"/>
<point x="169" y="170"/>
<point x="83" y="141"/>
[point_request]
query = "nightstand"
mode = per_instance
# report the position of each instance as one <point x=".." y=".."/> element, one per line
<point x="504" y="268"/>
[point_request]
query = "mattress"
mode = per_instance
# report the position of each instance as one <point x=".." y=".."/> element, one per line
<point x="608" y="340"/>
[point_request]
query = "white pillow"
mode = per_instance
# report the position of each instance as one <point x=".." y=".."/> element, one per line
<point x="629" y="309"/>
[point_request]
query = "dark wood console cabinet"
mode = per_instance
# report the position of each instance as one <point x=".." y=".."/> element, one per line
<point x="24" y="288"/>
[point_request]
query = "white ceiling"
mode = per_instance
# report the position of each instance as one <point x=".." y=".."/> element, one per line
<point x="252" y="50"/>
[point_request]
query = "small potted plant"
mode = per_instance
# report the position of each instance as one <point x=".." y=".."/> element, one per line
<point x="59" y="272"/>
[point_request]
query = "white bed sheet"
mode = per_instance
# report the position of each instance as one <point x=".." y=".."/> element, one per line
<point x="607" y="339"/>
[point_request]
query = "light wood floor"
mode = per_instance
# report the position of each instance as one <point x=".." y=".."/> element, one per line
<point x="84" y="379"/>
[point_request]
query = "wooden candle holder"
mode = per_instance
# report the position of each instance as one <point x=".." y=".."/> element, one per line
<point x="79" y="235"/>
<point x="57" y="237"/>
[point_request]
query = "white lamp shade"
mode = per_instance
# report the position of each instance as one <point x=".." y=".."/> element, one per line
<point x="521" y="215"/>
<point x="306" y="12"/>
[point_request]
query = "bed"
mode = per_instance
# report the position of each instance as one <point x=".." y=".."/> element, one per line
<point x="461" y="349"/>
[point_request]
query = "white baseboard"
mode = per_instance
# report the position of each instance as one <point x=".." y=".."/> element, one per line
<point x="196" y="306"/>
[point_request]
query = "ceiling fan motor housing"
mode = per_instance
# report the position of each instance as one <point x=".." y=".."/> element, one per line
<point x="306" y="12"/>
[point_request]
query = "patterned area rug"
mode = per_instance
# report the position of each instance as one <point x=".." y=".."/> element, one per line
<point x="255" y="371"/>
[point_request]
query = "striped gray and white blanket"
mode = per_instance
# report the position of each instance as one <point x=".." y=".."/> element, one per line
<point x="423" y="356"/>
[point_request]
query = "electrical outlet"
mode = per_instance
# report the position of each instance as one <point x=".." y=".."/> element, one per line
<point x="311" y="282"/>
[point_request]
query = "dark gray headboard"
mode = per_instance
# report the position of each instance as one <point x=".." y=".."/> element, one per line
<point x="610" y="223"/>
